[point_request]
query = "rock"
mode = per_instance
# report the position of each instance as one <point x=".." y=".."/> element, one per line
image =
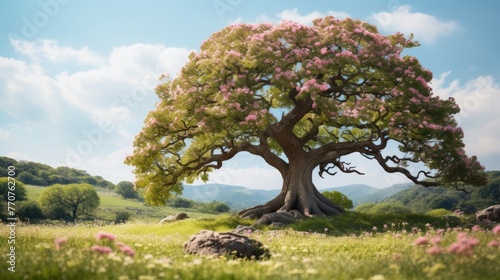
<point x="491" y="214"/>
<point x="211" y="243"/>
<point x="280" y="217"/>
<point x="175" y="217"/>
<point x="244" y="229"/>
<point x="277" y="224"/>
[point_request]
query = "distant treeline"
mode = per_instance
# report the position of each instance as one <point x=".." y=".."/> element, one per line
<point x="38" y="174"/>
<point x="421" y="200"/>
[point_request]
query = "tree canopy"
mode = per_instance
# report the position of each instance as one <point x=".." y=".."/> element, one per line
<point x="301" y="97"/>
<point x="69" y="201"/>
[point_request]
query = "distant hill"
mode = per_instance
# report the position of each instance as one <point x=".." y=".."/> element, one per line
<point x="238" y="197"/>
<point x="361" y="193"/>
<point x="421" y="200"/>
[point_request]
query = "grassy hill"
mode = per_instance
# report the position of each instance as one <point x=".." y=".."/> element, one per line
<point x="111" y="202"/>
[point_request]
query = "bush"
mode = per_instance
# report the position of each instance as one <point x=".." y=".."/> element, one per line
<point x="29" y="210"/>
<point x="389" y="208"/>
<point x="339" y="199"/>
<point x="122" y="217"/>
<point x="364" y="208"/>
<point x="383" y="208"/>
<point x="438" y="213"/>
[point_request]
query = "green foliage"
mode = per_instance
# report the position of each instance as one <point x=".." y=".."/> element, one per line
<point x="32" y="173"/>
<point x="122" y="217"/>
<point x="126" y="190"/>
<point x="69" y="201"/>
<point x="339" y="199"/>
<point x="7" y="185"/>
<point x="29" y="210"/>
<point x="384" y="208"/>
<point x="438" y="212"/>
<point x="179" y="202"/>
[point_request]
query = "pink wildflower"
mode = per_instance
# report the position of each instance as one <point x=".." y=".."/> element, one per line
<point x="494" y="244"/>
<point x="436" y="240"/>
<point x="421" y="241"/>
<point x="476" y="228"/>
<point x="127" y="250"/>
<point x="59" y="242"/>
<point x="496" y="230"/>
<point x="104" y="235"/>
<point x="101" y="249"/>
<point x="434" y="250"/>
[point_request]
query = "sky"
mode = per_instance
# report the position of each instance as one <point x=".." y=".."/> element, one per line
<point x="77" y="77"/>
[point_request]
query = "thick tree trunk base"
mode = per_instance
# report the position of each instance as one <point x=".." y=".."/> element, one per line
<point x="284" y="208"/>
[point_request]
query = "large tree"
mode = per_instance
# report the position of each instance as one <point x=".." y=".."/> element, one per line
<point x="301" y="97"/>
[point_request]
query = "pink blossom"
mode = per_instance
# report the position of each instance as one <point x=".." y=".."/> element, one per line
<point x="434" y="250"/>
<point x="127" y="250"/>
<point x="494" y="244"/>
<point x="436" y="240"/>
<point x="324" y="50"/>
<point x="421" y="241"/>
<point x="496" y="230"/>
<point x="234" y="53"/>
<point x="104" y="235"/>
<point x="476" y="228"/>
<point x="101" y="249"/>
<point x="153" y="121"/>
<point x="59" y="242"/>
<point x="251" y="117"/>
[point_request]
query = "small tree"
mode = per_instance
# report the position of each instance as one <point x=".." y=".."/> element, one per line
<point x="122" y="217"/>
<point x="302" y="98"/>
<point x="7" y="186"/>
<point x="69" y="201"/>
<point x="339" y="199"/>
<point x="126" y="190"/>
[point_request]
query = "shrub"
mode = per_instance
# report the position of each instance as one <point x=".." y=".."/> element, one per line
<point x="29" y="210"/>
<point x="438" y="213"/>
<point x="122" y="216"/>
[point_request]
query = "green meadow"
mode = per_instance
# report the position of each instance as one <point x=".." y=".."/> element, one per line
<point x="351" y="246"/>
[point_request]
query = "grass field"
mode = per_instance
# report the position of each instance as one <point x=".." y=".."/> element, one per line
<point x="111" y="202"/>
<point x="351" y="246"/>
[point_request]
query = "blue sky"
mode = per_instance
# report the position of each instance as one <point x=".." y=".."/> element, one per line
<point x="77" y="77"/>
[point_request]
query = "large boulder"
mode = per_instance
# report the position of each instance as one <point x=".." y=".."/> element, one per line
<point x="211" y="243"/>
<point x="491" y="214"/>
<point x="175" y="217"/>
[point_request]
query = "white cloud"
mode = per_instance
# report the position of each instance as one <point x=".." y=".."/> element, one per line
<point x="478" y="99"/>
<point x="51" y="51"/>
<point x="78" y="118"/>
<point x="426" y="28"/>
<point x="294" y="15"/>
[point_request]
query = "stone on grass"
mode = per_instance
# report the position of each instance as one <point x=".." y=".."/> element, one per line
<point x="216" y="244"/>
<point x="175" y="217"/>
<point x="240" y="229"/>
<point x="491" y="214"/>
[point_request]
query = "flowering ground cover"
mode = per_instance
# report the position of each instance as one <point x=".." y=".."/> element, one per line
<point x="399" y="248"/>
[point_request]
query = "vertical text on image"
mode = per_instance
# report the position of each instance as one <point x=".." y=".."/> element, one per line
<point x="11" y="218"/>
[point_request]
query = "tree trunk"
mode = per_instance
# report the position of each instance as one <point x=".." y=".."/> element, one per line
<point x="298" y="193"/>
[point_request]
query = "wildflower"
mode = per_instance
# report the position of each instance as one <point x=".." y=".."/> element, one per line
<point x="434" y="250"/>
<point x="59" y="242"/>
<point x="476" y="228"/>
<point x="494" y="244"/>
<point x="101" y="249"/>
<point x="496" y="230"/>
<point x="440" y="231"/>
<point x="374" y="228"/>
<point x="415" y="229"/>
<point x="385" y="226"/>
<point x="421" y="241"/>
<point x="104" y="235"/>
<point x="436" y="240"/>
<point x="127" y="250"/>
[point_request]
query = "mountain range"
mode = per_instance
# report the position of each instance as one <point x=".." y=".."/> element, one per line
<point x="238" y="197"/>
